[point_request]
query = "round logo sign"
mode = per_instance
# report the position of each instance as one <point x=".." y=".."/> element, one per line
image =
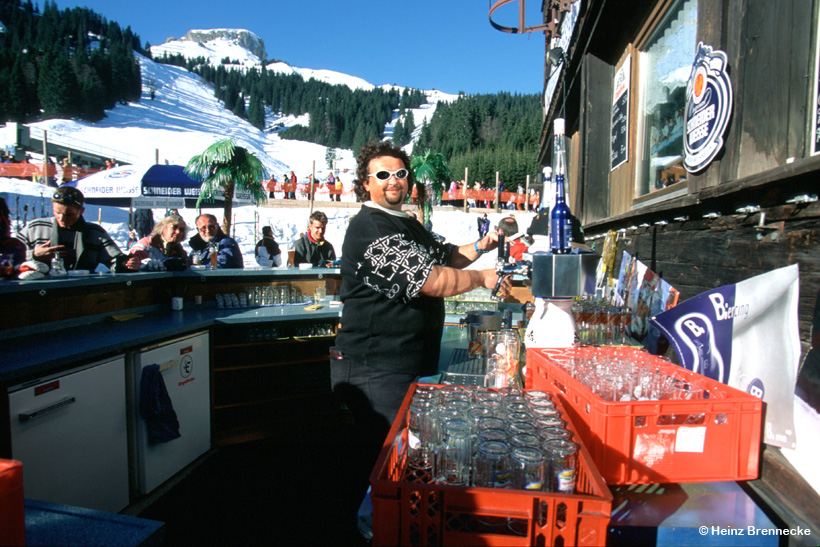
<point x="708" y="108"/>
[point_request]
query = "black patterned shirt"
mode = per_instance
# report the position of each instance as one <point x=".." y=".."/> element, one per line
<point x="387" y="324"/>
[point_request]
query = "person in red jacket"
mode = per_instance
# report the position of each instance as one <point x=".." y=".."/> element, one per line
<point x="509" y="227"/>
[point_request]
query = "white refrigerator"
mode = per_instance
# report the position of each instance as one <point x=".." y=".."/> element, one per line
<point x="69" y="430"/>
<point x="184" y="370"/>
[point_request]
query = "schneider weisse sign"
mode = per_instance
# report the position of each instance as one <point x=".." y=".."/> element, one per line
<point x="708" y="108"/>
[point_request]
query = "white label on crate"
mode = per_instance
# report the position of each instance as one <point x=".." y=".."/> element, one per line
<point x="690" y="439"/>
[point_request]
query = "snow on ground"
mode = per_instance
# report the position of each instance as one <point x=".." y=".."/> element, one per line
<point x="28" y="200"/>
<point x="183" y="118"/>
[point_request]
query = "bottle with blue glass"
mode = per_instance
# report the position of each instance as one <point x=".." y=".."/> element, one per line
<point x="560" y="217"/>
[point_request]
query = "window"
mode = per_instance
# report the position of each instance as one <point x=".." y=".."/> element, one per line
<point x="666" y="61"/>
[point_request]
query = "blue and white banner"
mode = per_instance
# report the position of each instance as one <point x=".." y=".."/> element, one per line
<point x="745" y="335"/>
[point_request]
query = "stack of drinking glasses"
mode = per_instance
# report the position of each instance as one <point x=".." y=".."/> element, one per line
<point x="627" y="374"/>
<point x="600" y="323"/>
<point x="504" y="438"/>
<point x="280" y="295"/>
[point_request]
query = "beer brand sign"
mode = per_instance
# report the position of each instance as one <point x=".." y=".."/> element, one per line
<point x="708" y="108"/>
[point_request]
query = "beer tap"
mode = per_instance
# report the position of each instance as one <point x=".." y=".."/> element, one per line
<point x="505" y="268"/>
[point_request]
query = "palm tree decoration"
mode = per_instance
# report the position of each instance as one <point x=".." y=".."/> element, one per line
<point x="432" y="167"/>
<point x="225" y="166"/>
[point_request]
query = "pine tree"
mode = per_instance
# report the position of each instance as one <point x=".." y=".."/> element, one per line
<point x="409" y="126"/>
<point x="57" y="87"/>
<point x="256" y="111"/>
<point x="239" y="107"/>
<point x="398" y="133"/>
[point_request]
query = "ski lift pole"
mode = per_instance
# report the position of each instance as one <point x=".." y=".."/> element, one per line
<point x="497" y="191"/>
<point x="527" y="195"/>
<point x="464" y="189"/>
<point x="312" y="178"/>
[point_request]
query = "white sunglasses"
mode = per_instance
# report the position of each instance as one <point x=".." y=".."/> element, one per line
<point x="385" y="175"/>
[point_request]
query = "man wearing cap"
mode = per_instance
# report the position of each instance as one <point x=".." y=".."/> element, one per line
<point x="82" y="245"/>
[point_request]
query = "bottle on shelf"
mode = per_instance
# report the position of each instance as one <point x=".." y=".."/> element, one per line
<point x="560" y="217"/>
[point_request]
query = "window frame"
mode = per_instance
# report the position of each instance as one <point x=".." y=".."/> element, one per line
<point x="648" y="33"/>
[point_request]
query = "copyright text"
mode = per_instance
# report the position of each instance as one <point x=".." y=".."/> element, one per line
<point x="752" y="531"/>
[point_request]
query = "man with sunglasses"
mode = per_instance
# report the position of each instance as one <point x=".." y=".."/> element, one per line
<point x="82" y="245"/>
<point x="210" y="236"/>
<point x="395" y="276"/>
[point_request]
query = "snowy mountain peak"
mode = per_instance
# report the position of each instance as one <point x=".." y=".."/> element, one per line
<point x="242" y="37"/>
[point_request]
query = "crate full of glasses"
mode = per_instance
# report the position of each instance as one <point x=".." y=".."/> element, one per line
<point x="646" y="420"/>
<point x="467" y="465"/>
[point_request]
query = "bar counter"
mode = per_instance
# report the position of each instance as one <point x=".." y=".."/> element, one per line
<point x="46" y="329"/>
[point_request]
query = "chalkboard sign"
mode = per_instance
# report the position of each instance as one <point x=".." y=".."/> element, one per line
<point x="619" y="132"/>
<point x="816" y="125"/>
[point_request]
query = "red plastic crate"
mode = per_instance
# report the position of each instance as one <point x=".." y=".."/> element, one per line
<point x="408" y="509"/>
<point x="12" y="513"/>
<point x="634" y="442"/>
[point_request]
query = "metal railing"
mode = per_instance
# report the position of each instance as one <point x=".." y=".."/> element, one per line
<point x="82" y="146"/>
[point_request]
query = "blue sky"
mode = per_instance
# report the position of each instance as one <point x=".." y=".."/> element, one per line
<point x="448" y="45"/>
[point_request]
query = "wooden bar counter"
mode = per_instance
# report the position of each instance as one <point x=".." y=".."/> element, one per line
<point x="269" y="364"/>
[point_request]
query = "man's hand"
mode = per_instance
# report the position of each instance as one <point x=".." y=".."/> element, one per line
<point x="46" y="251"/>
<point x="133" y="263"/>
<point x="489" y="241"/>
<point x="491" y="278"/>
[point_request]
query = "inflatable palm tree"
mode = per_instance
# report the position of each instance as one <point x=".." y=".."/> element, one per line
<point x="225" y="166"/>
<point x="429" y="167"/>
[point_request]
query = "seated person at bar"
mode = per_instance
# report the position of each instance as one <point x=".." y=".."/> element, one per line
<point x="228" y="256"/>
<point x="509" y="227"/>
<point x="163" y="243"/>
<point x="267" y="251"/>
<point x="12" y="250"/>
<point x="82" y="245"/>
<point x="313" y="247"/>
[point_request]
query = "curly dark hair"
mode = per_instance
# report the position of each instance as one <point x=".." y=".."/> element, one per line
<point x="376" y="149"/>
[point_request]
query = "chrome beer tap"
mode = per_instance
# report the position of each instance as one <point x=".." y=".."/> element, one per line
<point x="506" y="268"/>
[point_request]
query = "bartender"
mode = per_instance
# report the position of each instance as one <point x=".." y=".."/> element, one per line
<point x="395" y="276"/>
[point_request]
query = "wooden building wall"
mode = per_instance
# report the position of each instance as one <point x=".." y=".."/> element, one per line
<point x="765" y="161"/>
<point x="692" y="232"/>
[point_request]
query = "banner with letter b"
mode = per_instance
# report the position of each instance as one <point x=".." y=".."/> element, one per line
<point x="745" y="335"/>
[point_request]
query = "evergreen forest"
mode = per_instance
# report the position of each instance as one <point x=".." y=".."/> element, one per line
<point x="64" y="64"/>
<point x="340" y="117"/>
<point x="487" y="133"/>
<point x="73" y="63"/>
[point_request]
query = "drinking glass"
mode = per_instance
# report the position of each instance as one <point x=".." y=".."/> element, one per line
<point x="421" y="434"/>
<point x="527" y="465"/>
<point x="455" y="454"/>
<point x="492" y="465"/>
<point x="562" y="458"/>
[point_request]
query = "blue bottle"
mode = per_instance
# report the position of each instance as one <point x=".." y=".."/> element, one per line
<point x="560" y="217"/>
